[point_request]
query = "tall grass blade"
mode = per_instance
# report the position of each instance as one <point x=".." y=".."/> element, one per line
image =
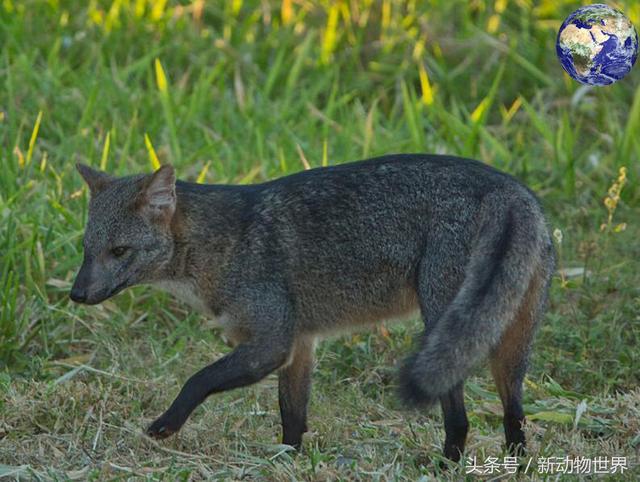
<point x="203" y="173"/>
<point x="302" y="55"/>
<point x="163" y="87"/>
<point x="161" y="77"/>
<point x="105" y="152"/>
<point x="286" y="12"/>
<point x="411" y="116"/>
<point x="330" y="33"/>
<point x="32" y="140"/>
<point x="153" y="157"/>
<point x="157" y="11"/>
<point x="480" y="112"/>
<point x="325" y="157"/>
<point x="425" y="85"/>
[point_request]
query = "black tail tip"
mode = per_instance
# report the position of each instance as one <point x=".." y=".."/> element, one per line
<point x="412" y="392"/>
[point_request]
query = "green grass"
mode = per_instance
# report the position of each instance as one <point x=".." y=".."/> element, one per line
<point x="254" y="91"/>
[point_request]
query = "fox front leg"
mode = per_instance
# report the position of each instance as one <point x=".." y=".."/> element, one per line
<point x="249" y="363"/>
<point x="294" y="387"/>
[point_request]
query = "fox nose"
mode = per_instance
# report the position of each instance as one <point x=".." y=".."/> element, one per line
<point x="78" y="295"/>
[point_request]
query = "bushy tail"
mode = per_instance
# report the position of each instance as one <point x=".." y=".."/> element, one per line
<point x="508" y="247"/>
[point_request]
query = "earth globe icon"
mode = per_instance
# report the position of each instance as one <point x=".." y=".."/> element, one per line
<point x="597" y="45"/>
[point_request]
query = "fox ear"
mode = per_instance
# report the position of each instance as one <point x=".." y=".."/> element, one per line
<point x="96" y="180"/>
<point x="158" y="199"/>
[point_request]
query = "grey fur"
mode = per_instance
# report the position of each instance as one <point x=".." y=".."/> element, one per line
<point x="510" y="242"/>
<point x="321" y="251"/>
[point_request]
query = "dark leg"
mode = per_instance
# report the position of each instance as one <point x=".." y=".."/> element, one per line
<point x="294" y="388"/>
<point x="513" y="427"/>
<point x="247" y="364"/>
<point x="509" y="364"/>
<point x="509" y="383"/>
<point x="456" y="424"/>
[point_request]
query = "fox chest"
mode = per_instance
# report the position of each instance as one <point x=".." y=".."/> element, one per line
<point x="187" y="293"/>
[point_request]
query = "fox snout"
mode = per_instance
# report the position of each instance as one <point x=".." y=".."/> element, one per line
<point x="78" y="294"/>
<point x="96" y="283"/>
<point x="80" y="289"/>
<point x="86" y="289"/>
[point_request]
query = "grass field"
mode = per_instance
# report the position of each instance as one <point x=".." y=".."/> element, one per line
<point x="241" y="92"/>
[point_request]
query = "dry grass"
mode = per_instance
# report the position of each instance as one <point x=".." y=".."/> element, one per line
<point x="89" y="423"/>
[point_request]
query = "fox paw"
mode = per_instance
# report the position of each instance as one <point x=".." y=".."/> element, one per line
<point x="163" y="427"/>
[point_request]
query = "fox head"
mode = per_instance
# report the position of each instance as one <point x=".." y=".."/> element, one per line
<point x="127" y="239"/>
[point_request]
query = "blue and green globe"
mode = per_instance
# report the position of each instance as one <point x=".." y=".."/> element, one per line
<point x="597" y="45"/>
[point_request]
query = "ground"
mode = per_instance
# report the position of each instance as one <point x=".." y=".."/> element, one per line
<point x="252" y="91"/>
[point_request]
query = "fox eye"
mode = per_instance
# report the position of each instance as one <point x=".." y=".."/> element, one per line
<point x="119" y="251"/>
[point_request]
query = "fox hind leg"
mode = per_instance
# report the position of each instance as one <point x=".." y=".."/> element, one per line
<point x="509" y="360"/>
<point x="456" y="424"/>
<point x="435" y="295"/>
<point x="294" y="388"/>
<point x="508" y="368"/>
